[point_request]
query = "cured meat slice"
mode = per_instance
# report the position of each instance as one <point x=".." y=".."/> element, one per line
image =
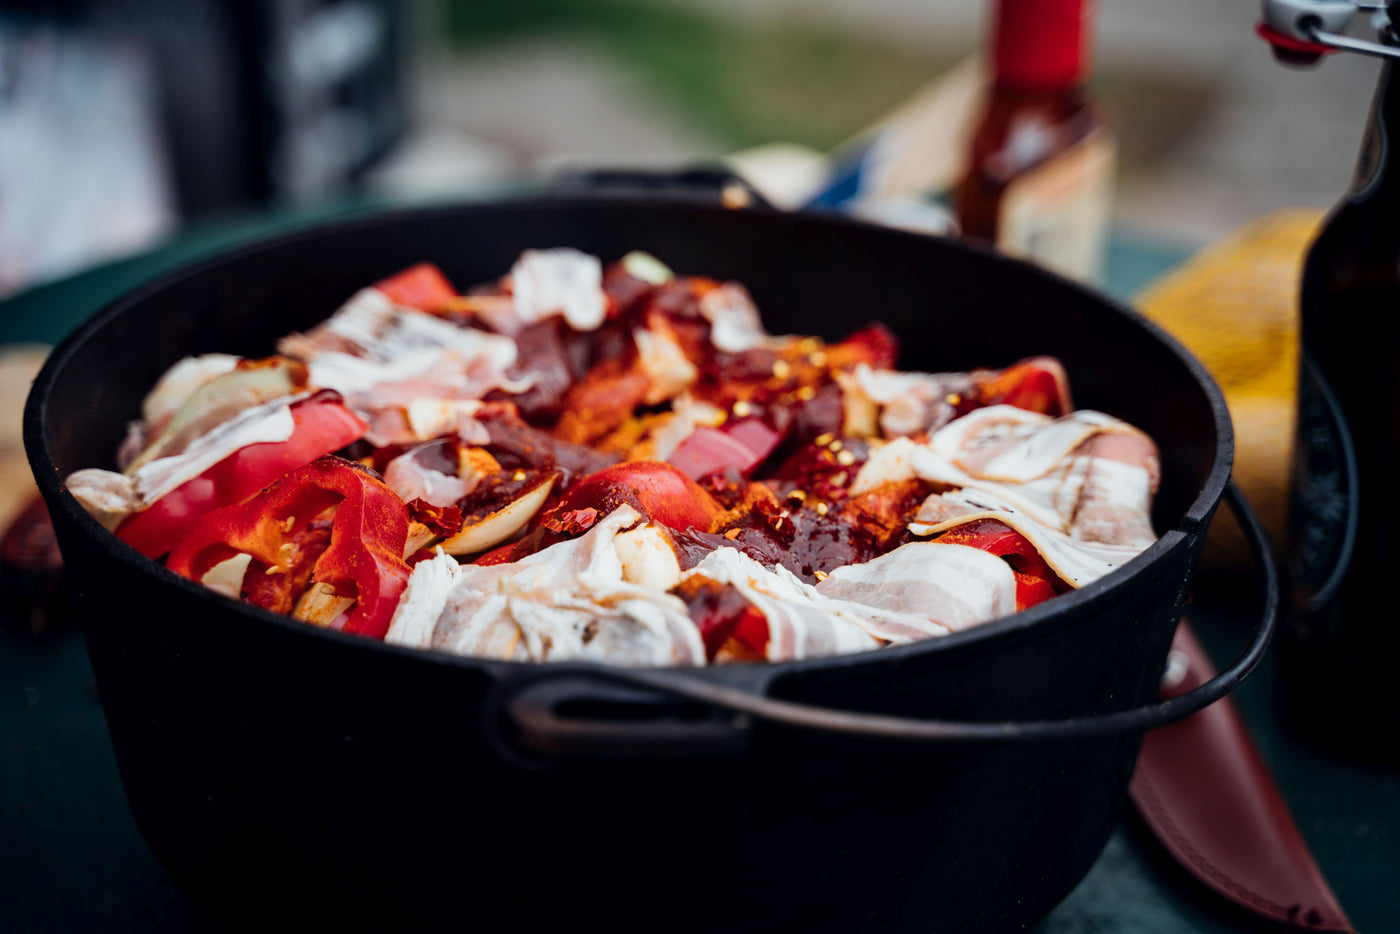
<point x="1078" y="487"/>
<point x="953" y="585"/>
<point x="563" y="282"/>
<point x="112" y="496"/>
<point x="1077" y="561"/>
<point x="620" y="463"/>
<point x="800" y="623"/>
<point x="734" y="322"/>
<point x="417" y="474"/>
<point x="571" y="600"/>
<point x="901" y="403"/>
<point x="380" y="356"/>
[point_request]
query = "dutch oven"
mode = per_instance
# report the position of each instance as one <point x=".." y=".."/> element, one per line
<point x="295" y="777"/>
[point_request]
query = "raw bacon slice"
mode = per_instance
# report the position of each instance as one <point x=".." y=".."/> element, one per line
<point x="572" y="600"/>
<point x="1051" y="469"/>
<point x="1078" y="487"/>
<point x="885" y="600"/>
<point x="734" y="322"/>
<point x="1075" y="561"/>
<point x="370" y="345"/>
<point x="563" y="282"/>
<point x="891" y="404"/>
<point x="954" y="585"/>
<point x="423" y="473"/>
<point x="799" y="624"/>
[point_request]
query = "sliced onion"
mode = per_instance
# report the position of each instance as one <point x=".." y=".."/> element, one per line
<point x="253" y="383"/>
<point x="320" y="606"/>
<point x="419" y="536"/>
<point x="226" y="577"/>
<point x="500" y="525"/>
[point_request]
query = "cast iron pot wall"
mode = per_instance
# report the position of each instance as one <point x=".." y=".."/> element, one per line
<point x="289" y="776"/>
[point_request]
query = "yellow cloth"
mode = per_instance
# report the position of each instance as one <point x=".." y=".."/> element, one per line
<point x="1235" y="306"/>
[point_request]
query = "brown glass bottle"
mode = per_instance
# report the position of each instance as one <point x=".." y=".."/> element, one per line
<point x="1039" y="168"/>
<point x="1341" y="640"/>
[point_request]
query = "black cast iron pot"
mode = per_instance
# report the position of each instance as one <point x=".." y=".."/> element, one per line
<point x="292" y="777"/>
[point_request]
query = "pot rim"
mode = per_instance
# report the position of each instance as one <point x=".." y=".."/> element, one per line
<point x="1044" y="617"/>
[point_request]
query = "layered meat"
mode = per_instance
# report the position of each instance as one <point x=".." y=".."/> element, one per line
<point x="616" y="462"/>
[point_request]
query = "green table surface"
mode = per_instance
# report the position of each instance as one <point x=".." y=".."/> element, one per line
<point x="72" y="859"/>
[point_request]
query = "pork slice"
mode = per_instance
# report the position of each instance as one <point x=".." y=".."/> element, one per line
<point x="564" y="282"/>
<point x="371" y="341"/>
<point x="423" y="601"/>
<point x="571" y="600"/>
<point x="412" y="479"/>
<point x="801" y="624"/>
<point x="1077" y="562"/>
<point x="908" y="402"/>
<point x="1114" y="504"/>
<point x="952" y="585"/>
<point x="735" y="325"/>
<point x="1086" y="475"/>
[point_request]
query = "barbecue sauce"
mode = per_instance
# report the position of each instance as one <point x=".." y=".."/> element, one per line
<point x="1340" y="642"/>
<point x="1039" y="175"/>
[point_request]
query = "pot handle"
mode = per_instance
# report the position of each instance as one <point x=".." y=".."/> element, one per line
<point x="707" y="184"/>
<point x="546" y="711"/>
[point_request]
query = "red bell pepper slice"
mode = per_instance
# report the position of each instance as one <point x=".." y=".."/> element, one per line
<point x="1037" y="384"/>
<point x="321" y="425"/>
<point x="658" y="490"/>
<point x="422" y="286"/>
<point x="501" y="554"/>
<point x="722" y="614"/>
<point x="279" y="530"/>
<point x="1035" y="580"/>
<point x="874" y="345"/>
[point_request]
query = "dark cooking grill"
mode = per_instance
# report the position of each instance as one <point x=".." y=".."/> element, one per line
<point x="293" y="776"/>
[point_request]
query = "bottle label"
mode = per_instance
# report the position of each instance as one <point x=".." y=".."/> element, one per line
<point x="1057" y="214"/>
<point x="1324" y="505"/>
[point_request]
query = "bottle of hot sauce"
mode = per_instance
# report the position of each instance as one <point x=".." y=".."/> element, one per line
<point x="1039" y="177"/>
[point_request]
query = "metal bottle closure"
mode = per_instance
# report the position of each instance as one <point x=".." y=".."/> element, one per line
<point x="1302" y="31"/>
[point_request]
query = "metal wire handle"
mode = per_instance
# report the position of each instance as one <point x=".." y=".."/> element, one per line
<point x="1316" y="27"/>
<point x="525" y="702"/>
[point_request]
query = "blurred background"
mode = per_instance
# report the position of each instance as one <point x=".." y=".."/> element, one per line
<point x="123" y="122"/>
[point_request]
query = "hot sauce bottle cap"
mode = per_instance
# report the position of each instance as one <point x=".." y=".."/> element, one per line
<point x="1041" y="44"/>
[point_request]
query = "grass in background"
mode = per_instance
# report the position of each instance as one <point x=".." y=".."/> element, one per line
<point x="750" y="83"/>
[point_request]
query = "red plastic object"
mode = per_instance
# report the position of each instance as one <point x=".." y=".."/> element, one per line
<point x="1205" y="791"/>
<point x="1040" y="44"/>
<point x="1290" y="50"/>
